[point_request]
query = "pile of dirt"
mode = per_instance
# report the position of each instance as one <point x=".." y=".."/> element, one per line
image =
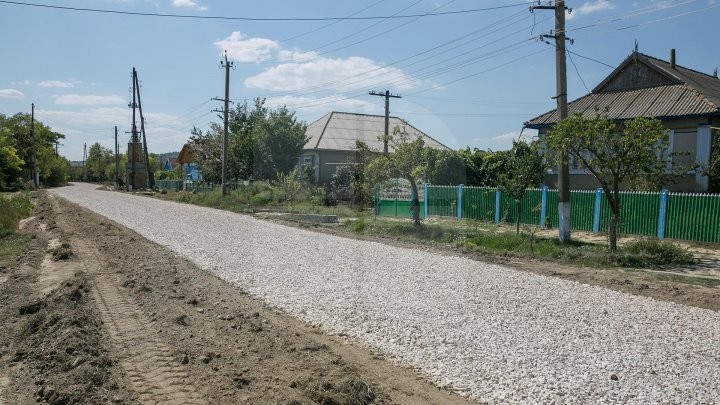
<point x="59" y="337"/>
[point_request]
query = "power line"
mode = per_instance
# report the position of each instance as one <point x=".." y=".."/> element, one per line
<point x="577" y="71"/>
<point x="218" y="17"/>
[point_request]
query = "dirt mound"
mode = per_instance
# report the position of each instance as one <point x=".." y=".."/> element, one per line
<point x="60" y="337"/>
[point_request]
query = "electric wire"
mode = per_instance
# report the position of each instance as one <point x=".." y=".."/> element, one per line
<point x="280" y="19"/>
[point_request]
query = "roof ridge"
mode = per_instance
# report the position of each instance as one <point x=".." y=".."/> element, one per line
<point x="322" y="133"/>
<point x="680" y="66"/>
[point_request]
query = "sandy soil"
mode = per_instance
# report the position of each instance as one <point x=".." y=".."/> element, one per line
<point x="122" y="320"/>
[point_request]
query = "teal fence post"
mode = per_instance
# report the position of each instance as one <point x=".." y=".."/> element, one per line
<point x="543" y="206"/>
<point x="425" y="197"/>
<point x="377" y="200"/>
<point x="497" y="206"/>
<point x="596" y="211"/>
<point x="662" y="214"/>
<point x="459" y="202"/>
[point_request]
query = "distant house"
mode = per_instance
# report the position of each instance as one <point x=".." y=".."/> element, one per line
<point x="685" y="100"/>
<point x="170" y="163"/>
<point x="190" y="168"/>
<point x="333" y="137"/>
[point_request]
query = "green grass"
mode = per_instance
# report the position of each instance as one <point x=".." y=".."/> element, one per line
<point x="13" y="208"/>
<point x="259" y="195"/>
<point x="12" y="246"/>
<point x="482" y="237"/>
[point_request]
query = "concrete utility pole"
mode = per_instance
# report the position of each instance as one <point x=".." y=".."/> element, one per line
<point x="562" y="109"/>
<point x="227" y="65"/>
<point x="117" y="161"/>
<point x="387" y="96"/>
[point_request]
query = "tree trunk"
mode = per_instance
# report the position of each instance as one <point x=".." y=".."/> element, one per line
<point x="614" y="219"/>
<point x="415" y="203"/>
<point x="517" y="217"/>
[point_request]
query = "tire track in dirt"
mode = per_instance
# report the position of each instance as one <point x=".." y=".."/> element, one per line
<point x="154" y="374"/>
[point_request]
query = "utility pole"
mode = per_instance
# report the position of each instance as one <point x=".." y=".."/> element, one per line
<point x="84" y="153"/>
<point x="150" y="180"/>
<point x="117" y="162"/>
<point x="561" y="98"/>
<point x="34" y="175"/>
<point x="387" y="96"/>
<point x="133" y="138"/>
<point x="227" y="65"/>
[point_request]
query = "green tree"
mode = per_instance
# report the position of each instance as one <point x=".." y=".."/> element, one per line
<point x="261" y="143"/>
<point x="407" y="160"/>
<point x="613" y="153"/>
<point x="445" y="167"/>
<point x="525" y="169"/>
<point x="713" y="168"/>
<point x="11" y="166"/>
<point x="99" y="162"/>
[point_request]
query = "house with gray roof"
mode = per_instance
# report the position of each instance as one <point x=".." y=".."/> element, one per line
<point x="333" y="137"/>
<point x="685" y="100"/>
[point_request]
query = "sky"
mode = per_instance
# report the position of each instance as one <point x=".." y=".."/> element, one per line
<point x="469" y="76"/>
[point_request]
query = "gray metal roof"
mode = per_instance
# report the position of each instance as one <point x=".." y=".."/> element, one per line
<point x="340" y="130"/>
<point x="690" y="93"/>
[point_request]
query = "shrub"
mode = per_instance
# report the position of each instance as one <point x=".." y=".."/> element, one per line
<point x="655" y="252"/>
<point x="12" y="210"/>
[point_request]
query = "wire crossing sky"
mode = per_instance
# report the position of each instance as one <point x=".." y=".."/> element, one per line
<point x="470" y="72"/>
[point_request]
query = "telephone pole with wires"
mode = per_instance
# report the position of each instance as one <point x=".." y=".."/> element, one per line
<point x="387" y="96"/>
<point x="561" y="98"/>
<point x="227" y="65"/>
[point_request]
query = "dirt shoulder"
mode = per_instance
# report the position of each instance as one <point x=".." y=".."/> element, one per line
<point x="153" y="326"/>
<point x="688" y="285"/>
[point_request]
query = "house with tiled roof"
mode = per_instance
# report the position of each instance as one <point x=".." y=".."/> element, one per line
<point x="685" y="100"/>
<point x="333" y="137"/>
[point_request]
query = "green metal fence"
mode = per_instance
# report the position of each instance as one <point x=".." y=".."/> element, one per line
<point x="673" y="215"/>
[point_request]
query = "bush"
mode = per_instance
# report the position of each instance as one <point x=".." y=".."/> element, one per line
<point x="12" y="210"/>
<point x="655" y="252"/>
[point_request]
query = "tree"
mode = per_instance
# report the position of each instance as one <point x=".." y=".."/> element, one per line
<point x="713" y="168"/>
<point x="11" y="166"/>
<point x="613" y="153"/>
<point x="525" y="169"/>
<point x="408" y="160"/>
<point x="261" y="143"/>
<point x="444" y="167"/>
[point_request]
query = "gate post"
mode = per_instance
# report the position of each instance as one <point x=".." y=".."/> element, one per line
<point x="497" y="206"/>
<point x="459" y="202"/>
<point x="662" y="214"/>
<point x="543" y="206"/>
<point x="425" y="197"/>
<point x="596" y="211"/>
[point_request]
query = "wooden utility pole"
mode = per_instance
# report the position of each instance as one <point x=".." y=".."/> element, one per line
<point x="117" y="161"/>
<point x="227" y="65"/>
<point x="387" y="96"/>
<point x="150" y="179"/>
<point x="562" y="109"/>
<point x="34" y="175"/>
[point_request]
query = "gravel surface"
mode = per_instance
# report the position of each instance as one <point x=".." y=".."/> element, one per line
<point x="488" y="331"/>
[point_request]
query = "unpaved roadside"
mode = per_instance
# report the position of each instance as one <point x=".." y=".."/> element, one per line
<point x="157" y="328"/>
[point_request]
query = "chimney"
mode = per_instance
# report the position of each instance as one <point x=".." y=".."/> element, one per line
<point x="672" y="58"/>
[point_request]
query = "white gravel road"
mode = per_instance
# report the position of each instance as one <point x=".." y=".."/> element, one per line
<point x="491" y="332"/>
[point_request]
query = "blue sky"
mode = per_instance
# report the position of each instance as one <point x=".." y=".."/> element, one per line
<point x="466" y="79"/>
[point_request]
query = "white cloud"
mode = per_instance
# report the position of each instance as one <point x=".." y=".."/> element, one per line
<point x="296" y="56"/>
<point x="348" y="74"/>
<point x="21" y="83"/>
<point x="310" y="105"/>
<point x="590" y="7"/>
<point x="56" y="84"/>
<point x="243" y="49"/>
<point x="188" y="4"/>
<point x="11" y="93"/>
<point x="88" y="99"/>
<point x="503" y="141"/>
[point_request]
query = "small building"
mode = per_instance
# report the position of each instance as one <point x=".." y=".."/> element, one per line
<point x="169" y="164"/>
<point x="333" y="138"/>
<point x="685" y="100"/>
<point x="190" y="170"/>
